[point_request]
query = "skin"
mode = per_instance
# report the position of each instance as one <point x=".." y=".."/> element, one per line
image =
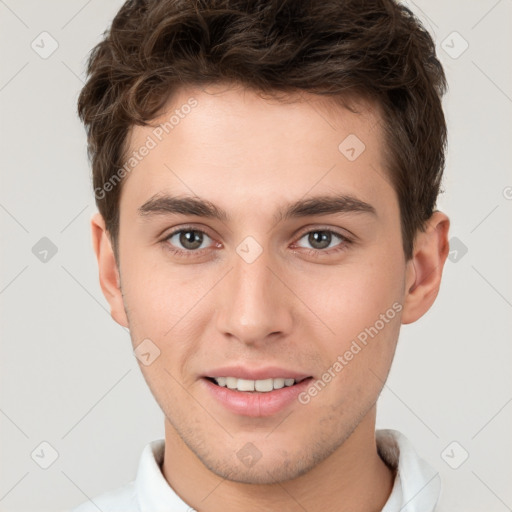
<point x="250" y="156"/>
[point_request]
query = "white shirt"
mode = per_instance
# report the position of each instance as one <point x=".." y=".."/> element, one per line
<point x="416" y="489"/>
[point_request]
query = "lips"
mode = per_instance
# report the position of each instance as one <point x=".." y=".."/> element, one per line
<point x="255" y="392"/>
<point x="254" y="403"/>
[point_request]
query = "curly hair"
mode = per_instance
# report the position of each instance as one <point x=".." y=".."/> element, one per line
<point x="374" y="49"/>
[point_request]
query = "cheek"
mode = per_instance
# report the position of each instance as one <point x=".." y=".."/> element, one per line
<point x="149" y="299"/>
<point x="356" y="363"/>
<point x="350" y="298"/>
<point x="166" y="303"/>
<point x="361" y="304"/>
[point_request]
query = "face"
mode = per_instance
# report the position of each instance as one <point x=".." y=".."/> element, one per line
<point x="259" y="282"/>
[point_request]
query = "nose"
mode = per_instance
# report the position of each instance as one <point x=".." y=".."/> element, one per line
<point x="256" y="305"/>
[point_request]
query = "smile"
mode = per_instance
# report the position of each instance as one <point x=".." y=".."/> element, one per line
<point x="261" y="386"/>
<point x="255" y="397"/>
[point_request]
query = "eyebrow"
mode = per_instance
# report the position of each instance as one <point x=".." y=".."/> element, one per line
<point x="317" y="205"/>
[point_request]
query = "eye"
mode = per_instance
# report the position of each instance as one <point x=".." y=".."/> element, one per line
<point x="187" y="240"/>
<point x="322" y="239"/>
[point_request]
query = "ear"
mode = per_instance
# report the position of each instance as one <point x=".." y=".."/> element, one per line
<point x="424" y="270"/>
<point x="108" y="272"/>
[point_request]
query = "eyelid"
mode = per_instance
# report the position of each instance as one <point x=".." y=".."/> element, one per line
<point x="343" y="233"/>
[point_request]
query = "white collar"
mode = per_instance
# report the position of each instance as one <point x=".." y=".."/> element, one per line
<point x="417" y="485"/>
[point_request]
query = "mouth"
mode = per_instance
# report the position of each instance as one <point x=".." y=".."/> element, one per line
<point x="255" y="386"/>
<point x="261" y="397"/>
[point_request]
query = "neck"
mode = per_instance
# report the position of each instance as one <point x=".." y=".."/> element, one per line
<point x="353" y="478"/>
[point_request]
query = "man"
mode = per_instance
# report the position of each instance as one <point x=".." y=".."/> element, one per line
<point x="266" y="174"/>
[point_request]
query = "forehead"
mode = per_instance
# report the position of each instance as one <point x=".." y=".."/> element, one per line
<point x="219" y="139"/>
<point x="216" y="104"/>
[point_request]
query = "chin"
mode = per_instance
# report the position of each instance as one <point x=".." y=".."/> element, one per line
<point x="261" y="473"/>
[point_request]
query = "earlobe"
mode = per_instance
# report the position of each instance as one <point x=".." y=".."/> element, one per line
<point x="108" y="271"/>
<point x="424" y="270"/>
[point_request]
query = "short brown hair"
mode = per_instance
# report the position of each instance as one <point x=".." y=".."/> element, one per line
<point x="372" y="48"/>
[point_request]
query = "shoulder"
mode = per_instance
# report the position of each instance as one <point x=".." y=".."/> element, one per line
<point x="122" y="499"/>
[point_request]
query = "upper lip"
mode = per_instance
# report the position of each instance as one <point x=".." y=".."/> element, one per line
<point x="267" y="372"/>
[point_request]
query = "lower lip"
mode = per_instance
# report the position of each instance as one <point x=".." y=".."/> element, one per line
<point x="256" y="404"/>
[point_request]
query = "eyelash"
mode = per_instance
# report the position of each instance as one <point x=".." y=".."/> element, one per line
<point x="345" y="242"/>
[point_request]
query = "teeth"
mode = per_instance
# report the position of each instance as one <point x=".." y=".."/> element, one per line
<point x="278" y="383"/>
<point x="221" y="381"/>
<point x="263" y="386"/>
<point x="245" y="385"/>
<point x="231" y="382"/>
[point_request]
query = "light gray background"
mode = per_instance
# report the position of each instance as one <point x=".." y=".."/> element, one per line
<point x="68" y="376"/>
